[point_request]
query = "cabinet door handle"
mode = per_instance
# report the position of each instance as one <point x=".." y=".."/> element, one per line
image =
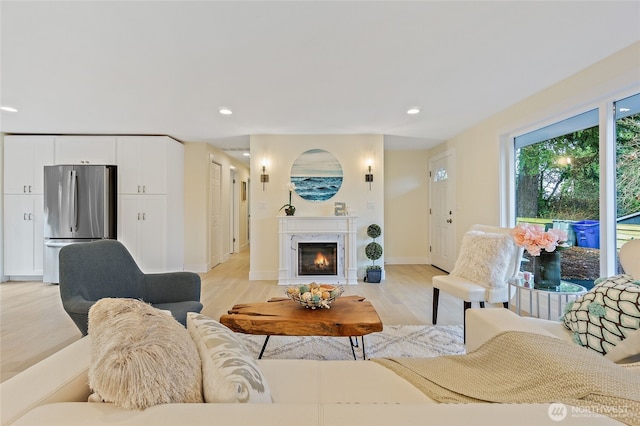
<point x="29" y="188"/>
<point x="144" y="188"/>
<point x="24" y="188"/>
<point x="138" y="216"/>
<point x="144" y="216"/>
<point x="138" y="188"/>
<point x="25" y="216"/>
<point x="30" y="216"/>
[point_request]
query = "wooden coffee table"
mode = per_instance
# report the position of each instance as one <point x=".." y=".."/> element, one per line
<point x="349" y="316"/>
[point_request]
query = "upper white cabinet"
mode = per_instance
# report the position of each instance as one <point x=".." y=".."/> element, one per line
<point x="25" y="158"/>
<point x="85" y="150"/>
<point x="142" y="164"/>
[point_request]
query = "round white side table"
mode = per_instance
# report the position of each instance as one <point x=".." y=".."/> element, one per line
<point x="563" y="294"/>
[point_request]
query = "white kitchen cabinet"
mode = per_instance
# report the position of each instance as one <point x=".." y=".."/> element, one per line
<point x="85" y="150"/>
<point x="151" y="201"/>
<point x="142" y="164"/>
<point x="23" y="235"/>
<point x="142" y="221"/>
<point x="154" y="162"/>
<point x="24" y="160"/>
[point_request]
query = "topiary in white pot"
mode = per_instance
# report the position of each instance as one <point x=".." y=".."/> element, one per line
<point x="373" y="251"/>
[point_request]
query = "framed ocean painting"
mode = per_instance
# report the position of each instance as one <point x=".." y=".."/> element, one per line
<point x="317" y="175"/>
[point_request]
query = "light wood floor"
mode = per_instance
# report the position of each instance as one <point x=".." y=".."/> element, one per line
<point x="33" y="324"/>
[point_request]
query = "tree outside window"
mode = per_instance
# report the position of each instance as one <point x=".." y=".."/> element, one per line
<point x="557" y="174"/>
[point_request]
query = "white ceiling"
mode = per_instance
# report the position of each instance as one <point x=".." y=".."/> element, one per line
<point x="317" y="67"/>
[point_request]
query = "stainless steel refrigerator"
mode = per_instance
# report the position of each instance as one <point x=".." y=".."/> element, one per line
<point x="79" y="206"/>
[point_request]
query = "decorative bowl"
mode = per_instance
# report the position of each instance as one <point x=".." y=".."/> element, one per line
<point x="314" y="295"/>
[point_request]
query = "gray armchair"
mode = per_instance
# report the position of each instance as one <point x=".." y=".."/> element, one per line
<point x="104" y="268"/>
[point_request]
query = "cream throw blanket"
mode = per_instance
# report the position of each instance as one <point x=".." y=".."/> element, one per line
<point x="519" y="367"/>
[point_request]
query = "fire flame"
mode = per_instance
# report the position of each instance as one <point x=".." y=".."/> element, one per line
<point x="321" y="261"/>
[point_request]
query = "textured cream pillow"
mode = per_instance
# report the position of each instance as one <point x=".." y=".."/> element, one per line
<point x="140" y="356"/>
<point x="229" y="371"/>
<point x="484" y="258"/>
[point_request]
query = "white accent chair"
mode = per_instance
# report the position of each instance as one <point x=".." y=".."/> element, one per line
<point x="630" y="258"/>
<point x="470" y="291"/>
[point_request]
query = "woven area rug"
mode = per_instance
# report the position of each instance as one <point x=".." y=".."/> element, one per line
<point x="418" y="341"/>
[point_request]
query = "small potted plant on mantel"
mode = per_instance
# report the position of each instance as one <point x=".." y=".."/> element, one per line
<point x="289" y="209"/>
<point x="373" y="251"/>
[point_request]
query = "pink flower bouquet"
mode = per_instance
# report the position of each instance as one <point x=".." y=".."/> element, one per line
<point x="535" y="239"/>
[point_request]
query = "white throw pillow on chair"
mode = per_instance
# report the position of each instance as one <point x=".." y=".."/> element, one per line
<point x="485" y="258"/>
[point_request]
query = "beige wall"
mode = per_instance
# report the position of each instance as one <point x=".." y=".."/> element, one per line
<point x="280" y="152"/>
<point x="406" y="207"/>
<point x="196" y="181"/>
<point x="398" y="197"/>
<point x="478" y="150"/>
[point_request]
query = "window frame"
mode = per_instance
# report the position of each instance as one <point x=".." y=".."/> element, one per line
<point x="607" y="147"/>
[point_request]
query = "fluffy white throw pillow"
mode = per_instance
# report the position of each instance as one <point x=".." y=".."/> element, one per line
<point x="229" y="371"/>
<point x="485" y="258"/>
<point x="140" y="356"/>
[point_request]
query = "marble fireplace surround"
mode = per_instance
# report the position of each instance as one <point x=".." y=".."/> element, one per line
<point x="296" y="229"/>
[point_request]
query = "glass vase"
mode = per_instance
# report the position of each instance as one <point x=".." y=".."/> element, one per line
<point x="546" y="270"/>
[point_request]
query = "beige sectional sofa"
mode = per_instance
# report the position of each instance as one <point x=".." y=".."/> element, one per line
<point x="304" y="392"/>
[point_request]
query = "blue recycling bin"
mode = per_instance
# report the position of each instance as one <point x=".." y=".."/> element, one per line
<point x="587" y="233"/>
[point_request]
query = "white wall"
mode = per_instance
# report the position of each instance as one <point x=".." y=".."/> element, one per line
<point x="196" y="182"/>
<point x="280" y="152"/>
<point x="406" y="206"/>
<point x="478" y="150"/>
<point x="2" y="276"/>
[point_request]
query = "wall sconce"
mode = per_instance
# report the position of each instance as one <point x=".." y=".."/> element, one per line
<point x="264" y="177"/>
<point x="368" y="177"/>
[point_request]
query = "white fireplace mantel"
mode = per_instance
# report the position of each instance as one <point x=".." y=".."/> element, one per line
<point x="295" y="229"/>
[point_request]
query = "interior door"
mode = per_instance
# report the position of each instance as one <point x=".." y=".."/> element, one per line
<point x="215" y="199"/>
<point x="442" y="196"/>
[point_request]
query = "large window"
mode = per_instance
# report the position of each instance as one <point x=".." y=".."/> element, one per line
<point x="557" y="175"/>
<point x="559" y="178"/>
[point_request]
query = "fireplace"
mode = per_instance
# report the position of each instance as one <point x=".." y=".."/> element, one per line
<point x="320" y="248"/>
<point x="318" y="258"/>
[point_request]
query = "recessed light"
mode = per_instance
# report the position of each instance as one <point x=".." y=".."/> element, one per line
<point x="246" y="154"/>
<point x="413" y="111"/>
<point x="225" y="111"/>
<point x="8" y="109"/>
<point x="622" y="109"/>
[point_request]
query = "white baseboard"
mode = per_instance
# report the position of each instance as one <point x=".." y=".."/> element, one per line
<point x="24" y="277"/>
